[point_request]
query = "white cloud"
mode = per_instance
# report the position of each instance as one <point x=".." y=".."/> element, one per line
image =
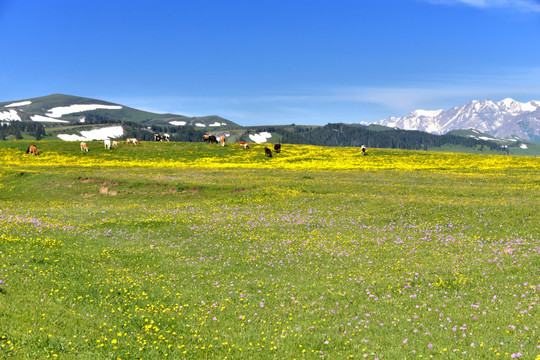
<point x="519" y="5"/>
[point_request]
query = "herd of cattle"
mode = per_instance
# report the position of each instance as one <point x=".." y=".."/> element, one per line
<point x="212" y="139"/>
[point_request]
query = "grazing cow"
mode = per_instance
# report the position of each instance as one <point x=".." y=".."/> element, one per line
<point x="267" y="152"/>
<point x="243" y="144"/>
<point x="363" y="149"/>
<point x="222" y="141"/>
<point x="210" y="138"/>
<point x="164" y="137"/>
<point x="133" y="141"/>
<point x="114" y="144"/>
<point x="107" y="143"/>
<point x="32" y="149"/>
<point x="277" y="148"/>
<point x="84" y="147"/>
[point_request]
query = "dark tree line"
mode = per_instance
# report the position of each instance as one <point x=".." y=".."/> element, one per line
<point x="95" y="118"/>
<point x="355" y="136"/>
<point x="16" y="128"/>
<point x="177" y="133"/>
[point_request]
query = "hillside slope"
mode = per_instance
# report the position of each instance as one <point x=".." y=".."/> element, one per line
<point x="68" y="109"/>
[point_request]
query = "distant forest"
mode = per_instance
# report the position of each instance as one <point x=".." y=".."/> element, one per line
<point x="328" y="135"/>
<point x="16" y="128"/>
<point x="357" y="135"/>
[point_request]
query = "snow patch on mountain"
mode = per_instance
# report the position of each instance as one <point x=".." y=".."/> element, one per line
<point x="177" y="123"/>
<point x="260" y="137"/>
<point x="40" y="118"/>
<point x="60" y="111"/>
<point x="10" y="115"/>
<point x="428" y="113"/>
<point x="515" y="107"/>
<point x="18" y="104"/>
<point x="111" y="132"/>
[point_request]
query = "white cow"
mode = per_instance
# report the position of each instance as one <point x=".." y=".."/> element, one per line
<point x="107" y="143"/>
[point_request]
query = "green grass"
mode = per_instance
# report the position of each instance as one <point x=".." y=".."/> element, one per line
<point x="139" y="262"/>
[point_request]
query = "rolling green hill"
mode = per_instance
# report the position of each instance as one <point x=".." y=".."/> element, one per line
<point x="41" y="106"/>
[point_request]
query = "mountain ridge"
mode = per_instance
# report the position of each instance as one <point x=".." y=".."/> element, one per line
<point x="502" y="119"/>
<point x="55" y="108"/>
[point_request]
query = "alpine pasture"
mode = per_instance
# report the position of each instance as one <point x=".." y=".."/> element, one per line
<point x="198" y="251"/>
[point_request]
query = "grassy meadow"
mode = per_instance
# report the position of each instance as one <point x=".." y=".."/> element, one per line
<point x="197" y="251"/>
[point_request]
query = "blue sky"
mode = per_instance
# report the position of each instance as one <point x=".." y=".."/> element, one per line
<point x="270" y="62"/>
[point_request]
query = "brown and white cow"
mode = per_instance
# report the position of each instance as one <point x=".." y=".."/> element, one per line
<point x="210" y="138"/>
<point x="243" y="144"/>
<point x="32" y="149"/>
<point x="133" y="141"/>
<point x="164" y="137"/>
<point x="84" y="147"/>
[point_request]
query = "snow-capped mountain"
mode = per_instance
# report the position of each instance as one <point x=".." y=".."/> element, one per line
<point x="501" y="119"/>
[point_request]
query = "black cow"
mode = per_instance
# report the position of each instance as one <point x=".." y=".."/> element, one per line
<point x="268" y="152"/>
<point x="277" y="148"/>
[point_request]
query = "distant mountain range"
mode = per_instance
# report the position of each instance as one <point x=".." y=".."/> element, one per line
<point x="67" y="109"/>
<point x="73" y="118"/>
<point x="502" y="119"/>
